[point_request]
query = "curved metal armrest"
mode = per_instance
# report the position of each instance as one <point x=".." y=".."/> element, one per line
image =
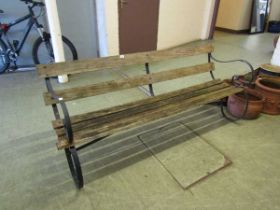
<point x="66" y="121"/>
<point x="237" y="60"/>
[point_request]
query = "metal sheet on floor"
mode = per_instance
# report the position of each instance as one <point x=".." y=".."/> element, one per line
<point x="186" y="156"/>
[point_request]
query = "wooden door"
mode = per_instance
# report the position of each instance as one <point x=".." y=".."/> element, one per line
<point x="138" y="25"/>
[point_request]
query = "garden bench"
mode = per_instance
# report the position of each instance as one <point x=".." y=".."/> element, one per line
<point x="78" y="131"/>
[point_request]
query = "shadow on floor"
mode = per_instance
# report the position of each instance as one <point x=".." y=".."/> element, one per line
<point x="46" y="168"/>
<point x="119" y="152"/>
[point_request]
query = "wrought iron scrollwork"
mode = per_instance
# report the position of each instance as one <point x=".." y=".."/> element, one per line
<point x="236" y="60"/>
<point x="246" y="96"/>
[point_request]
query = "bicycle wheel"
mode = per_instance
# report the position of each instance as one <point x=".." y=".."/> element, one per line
<point x="4" y="60"/>
<point x="43" y="52"/>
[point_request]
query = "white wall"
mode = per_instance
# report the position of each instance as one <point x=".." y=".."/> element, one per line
<point x="208" y="17"/>
<point x="101" y="28"/>
<point x="245" y="16"/>
<point x="234" y="15"/>
<point x="180" y="21"/>
<point x="112" y="25"/>
<point x="275" y="10"/>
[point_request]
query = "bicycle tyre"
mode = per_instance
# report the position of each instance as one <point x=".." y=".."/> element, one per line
<point x="5" y="63"/>
<point x="47" y="36"/>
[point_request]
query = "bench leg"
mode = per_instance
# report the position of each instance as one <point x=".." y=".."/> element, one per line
<point x="222" y="109"/>
<point x="75" y="167"/>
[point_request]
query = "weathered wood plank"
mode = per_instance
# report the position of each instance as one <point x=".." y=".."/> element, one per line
<point x="270" y="67"/>
<point x="96" y="114"/>
<point x="141" y="118"/>
<point x="74" y="67"/>
<point x="107" y="118"/>
<point x="116" y="85"/>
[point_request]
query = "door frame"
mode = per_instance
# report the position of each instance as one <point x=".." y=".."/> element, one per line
<point x="214" y="19"/>
<point x="102" y="40"/>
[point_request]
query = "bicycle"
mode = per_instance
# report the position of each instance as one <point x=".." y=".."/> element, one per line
<point x="42" y="51"/>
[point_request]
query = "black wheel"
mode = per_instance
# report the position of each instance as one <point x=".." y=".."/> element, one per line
<point x="43" y="52"/>
<point x="4" y="60"/>
<point x="75" y="167"/>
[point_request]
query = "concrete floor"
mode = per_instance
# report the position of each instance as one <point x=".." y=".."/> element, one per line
<point x="34" y="175"/>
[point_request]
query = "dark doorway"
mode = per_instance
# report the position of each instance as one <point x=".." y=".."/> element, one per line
<point x="260" y="10"/>
<point x="138" y="25"/>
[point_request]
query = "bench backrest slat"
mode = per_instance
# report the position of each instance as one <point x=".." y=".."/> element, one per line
<point x="105" y="87"/>
<point x="81" y="66"/>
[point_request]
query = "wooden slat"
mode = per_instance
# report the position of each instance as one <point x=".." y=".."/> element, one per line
<point x="74" y="67"/>
<point x="116" y="85"/>
<point x="270" y="67"/>
<point x="141" y="118"/>
<point x="96" y="114"/>
<point x="107" y="118"/>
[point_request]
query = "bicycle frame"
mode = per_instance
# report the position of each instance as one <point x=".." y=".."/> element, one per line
<point x="32" y="20"/>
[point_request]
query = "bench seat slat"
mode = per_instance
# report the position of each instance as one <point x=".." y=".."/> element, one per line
<point x="116" y="85"/>
<point x="110" y="128"/>
<point x="96" y="114"/>
<point x="107" y="118"/>
<point x="113" y="62"/>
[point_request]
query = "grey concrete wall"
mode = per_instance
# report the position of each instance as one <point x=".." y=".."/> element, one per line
<point x="78" y="23"/>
